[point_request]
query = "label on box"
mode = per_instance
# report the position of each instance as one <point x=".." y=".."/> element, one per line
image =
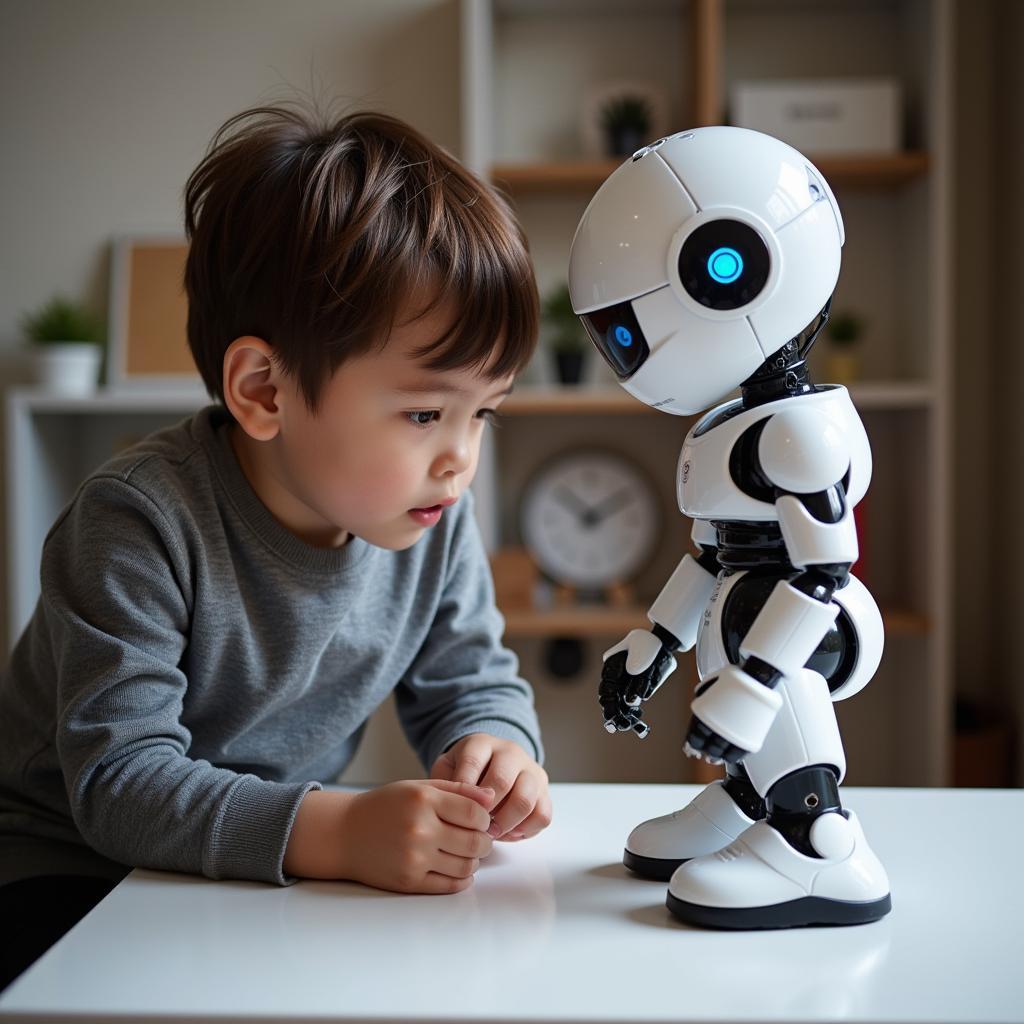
<point x="823" y="115"/>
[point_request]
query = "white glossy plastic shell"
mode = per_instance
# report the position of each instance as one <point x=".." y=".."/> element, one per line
<point x="627" y="244"/>
<point x="705" y="488"/>
<point x="618" y="252"/>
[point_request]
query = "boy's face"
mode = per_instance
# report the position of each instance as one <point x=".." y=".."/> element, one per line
<point x="391" y="445"/>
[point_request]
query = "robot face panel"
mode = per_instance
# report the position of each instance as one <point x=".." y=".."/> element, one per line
<point x="617" y="335"/>
<point x="724" y="264"/>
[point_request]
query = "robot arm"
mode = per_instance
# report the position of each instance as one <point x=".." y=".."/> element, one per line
<point x="637" y="666"/>
<point x="805" y="462"/>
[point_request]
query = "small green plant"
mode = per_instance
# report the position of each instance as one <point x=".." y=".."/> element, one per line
<point x="567" y="333"/>
<point x="844" y="329"/>
<point x="627" y="113"/>
<point x="60" y="319"/>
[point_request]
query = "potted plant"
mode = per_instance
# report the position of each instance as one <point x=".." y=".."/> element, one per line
<point x="567" y="339"/>
<point x="68" y="342"/>
<point x="626" y="120"/>
<point x="843" y="331"/>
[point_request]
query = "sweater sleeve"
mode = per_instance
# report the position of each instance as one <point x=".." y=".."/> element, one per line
<point x="464" y="680"/>
<point x="116" y="595"/>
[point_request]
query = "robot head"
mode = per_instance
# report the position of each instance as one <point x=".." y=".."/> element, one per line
<point x="699" y="258"/>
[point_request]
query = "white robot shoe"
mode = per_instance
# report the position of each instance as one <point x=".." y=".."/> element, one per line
<point x="760" y="881"/>
<point x="708" y="822"/>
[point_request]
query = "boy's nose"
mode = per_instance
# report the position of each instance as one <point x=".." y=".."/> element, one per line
<point x="455" y="459"/>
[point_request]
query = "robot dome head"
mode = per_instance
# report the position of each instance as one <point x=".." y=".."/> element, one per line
<point x="700" y="257"/>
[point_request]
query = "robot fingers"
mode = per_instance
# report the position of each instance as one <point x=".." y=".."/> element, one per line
<point x="704" y="742"/>
<point x="625" y="720"/>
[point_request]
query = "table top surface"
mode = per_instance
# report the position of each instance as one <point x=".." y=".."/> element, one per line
<point x="555" y="929"/>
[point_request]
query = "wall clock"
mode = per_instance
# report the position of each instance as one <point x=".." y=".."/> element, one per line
<point x="589" y="518"/>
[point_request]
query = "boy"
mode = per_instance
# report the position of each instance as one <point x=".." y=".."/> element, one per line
<point x="224" y="605"/>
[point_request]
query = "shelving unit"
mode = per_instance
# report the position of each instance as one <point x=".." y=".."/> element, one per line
<point x="587" y="175"/>
<point x="527" y="65"/>
<point x="54" y="442"/>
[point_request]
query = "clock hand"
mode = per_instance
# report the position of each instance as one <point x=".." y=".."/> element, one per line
<point x="619" y="500"/>
<point x="570" y="500"/>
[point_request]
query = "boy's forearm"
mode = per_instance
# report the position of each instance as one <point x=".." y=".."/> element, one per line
<point x="316" y="844"/>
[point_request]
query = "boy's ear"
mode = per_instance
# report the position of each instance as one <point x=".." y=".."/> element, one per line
<point x="252" y="387"/>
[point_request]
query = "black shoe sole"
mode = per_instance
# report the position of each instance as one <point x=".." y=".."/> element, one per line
<point x="655" y="868"/>
<point x="810" y="910"/>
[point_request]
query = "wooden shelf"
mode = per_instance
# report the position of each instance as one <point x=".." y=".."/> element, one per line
<point x="601" y="621"/>
<point x="614" y="401"/>
<point x="569" y="400"/>
<point x="587" y="175"/>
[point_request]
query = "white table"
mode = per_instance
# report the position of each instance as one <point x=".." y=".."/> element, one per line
<point x="556" y="930"/>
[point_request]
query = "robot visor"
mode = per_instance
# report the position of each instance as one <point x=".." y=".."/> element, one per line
<point x="616" y="334"/>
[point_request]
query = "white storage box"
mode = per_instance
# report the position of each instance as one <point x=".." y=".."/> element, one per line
<point x="842" y="115"/>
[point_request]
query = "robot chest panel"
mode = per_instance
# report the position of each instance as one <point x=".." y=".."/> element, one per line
<point x="712" y="484"/>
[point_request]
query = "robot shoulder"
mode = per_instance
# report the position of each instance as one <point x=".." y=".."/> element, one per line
<point x="802" y="451"/>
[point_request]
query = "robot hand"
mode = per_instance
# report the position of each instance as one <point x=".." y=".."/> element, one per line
<point x="732" y="713"/>
<point x="633" y="670"/>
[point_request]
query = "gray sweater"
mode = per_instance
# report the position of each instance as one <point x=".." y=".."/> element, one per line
<point x="193" y="669"/>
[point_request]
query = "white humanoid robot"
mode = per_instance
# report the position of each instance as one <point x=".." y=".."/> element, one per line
<point x="705" y="263"/>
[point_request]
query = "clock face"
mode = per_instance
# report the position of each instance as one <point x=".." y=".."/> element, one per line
<point x="590" y="519"/>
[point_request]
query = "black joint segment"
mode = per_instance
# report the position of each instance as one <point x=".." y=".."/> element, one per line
<point x="739" y="787"/>
<point x="822" y="581"/>
<point x="708" y="560"/>
<point x="828" y="506"/>
<point x="797" y="799"/>
<point x="745" y="465"/>
<point x="668" y="641"/>
<point x="765" y="674"/>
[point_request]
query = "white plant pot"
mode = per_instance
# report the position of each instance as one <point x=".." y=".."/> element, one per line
<point x="68" y="367"/>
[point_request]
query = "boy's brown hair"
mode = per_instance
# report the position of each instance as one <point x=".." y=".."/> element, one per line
<point x="311" y="234"/>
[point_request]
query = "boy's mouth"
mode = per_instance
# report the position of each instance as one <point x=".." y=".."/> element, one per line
<point x="428" y="515"/>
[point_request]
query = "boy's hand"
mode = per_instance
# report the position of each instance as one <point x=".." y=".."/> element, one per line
<point x="522" y="804"/>
<point x="417" y="836"/>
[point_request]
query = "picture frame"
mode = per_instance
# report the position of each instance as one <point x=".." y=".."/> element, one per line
<point x="148" y="342"/>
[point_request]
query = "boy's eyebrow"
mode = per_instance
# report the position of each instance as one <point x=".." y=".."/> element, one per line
<point x="441" y="387"/>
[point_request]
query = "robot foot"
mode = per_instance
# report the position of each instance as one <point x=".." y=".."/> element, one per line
<point x="760" y="881"/>
<point x="707" y="823"/>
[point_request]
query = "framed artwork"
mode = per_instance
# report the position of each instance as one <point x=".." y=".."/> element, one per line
<point x="148" y="345"/>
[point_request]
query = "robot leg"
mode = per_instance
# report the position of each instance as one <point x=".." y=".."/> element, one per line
<point x="807" y="862"/>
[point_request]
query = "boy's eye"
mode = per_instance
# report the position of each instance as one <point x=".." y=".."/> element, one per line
<point x="423" y="418"/>
<point x="490" y="416"/>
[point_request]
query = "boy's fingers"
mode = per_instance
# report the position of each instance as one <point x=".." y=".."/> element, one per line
<point x="444" y="767"/>
<point x="464" y="842"/>
<point x="436" y="884"/>
<point x="454" y="866"/>
<point x="473" y="813"/>
<point x="518" y="806"/>
<point x="501" y="774"/>
<point x="536" y="822"/>
<point x="471" y="757"/>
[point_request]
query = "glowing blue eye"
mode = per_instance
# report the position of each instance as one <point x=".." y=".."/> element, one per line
<point x="623" y="337"/>
<point x="725" y="265"/>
